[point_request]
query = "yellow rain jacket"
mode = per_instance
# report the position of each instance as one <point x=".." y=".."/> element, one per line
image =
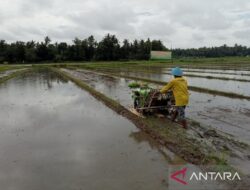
<point x="180" y="90"/>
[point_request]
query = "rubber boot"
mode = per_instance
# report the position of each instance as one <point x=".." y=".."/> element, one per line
<point x="184" y="124"/>
<point x="173" y="117"/>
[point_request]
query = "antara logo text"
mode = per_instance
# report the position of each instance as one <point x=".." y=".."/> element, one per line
<point x="181" y="177"/>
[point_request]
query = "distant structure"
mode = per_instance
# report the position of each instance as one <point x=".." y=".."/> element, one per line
<point x="160" y="55"/>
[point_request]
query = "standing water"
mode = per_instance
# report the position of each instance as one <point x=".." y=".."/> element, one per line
<point x="55" y="136"/>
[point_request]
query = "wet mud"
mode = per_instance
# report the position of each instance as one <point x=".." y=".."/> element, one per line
<point x="8" y="74"/>
<point x="54" y="135"/>
<point x="221" y="142"/>
<point x="230" y="86"/>
<point x="200" y="104"/>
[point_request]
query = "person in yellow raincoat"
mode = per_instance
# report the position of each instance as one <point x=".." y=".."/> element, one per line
<point x="179" y="87"/>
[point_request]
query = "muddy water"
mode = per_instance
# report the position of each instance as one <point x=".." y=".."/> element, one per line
<point x="8" y="72"/>
<point x="114" y="87"/>
<point x="229" y="76"/>
<point x="199" y="73"/>
<point x="54" y="136"/>
<point x="231" y="86"/>
<point x="237" y="69"/>
<point x="225" y="114"/>
<point x="204" y="74"/>
<point x="214" y="84"/>
<point x="226" y="71"/>
<point x="230" y="72"/>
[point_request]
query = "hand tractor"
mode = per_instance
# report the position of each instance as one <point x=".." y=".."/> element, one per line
<point x="149" y="101"/>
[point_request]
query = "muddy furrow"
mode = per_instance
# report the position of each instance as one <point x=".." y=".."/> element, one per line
<point x="224" y="114"/>
<point x="215" y="86"/>
<point x="188" y="75"/>
<point x="192" y="88"/>
<point x="11" y="74"/>
<point x="191" y="147"/>
<point x="117" y="88"/>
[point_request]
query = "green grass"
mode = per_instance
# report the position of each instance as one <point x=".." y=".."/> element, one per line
<point x="3" y="79"/>
<point x="234" y="62"/>
<point x="10" y="67"/>
<point x="183" y="61"/>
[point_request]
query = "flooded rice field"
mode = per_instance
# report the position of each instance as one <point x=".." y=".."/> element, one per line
<point x="225" y="114"/>
<point x="214" y="84"/>
<point x="234" y="69"/>
<point x="230" y="74"/>
<point x="214" y="70"/>
<point x="8" y="72"/>
<point x="222" y="75"/>
<point x="229" y="83"/>
<point x="54" y="135"/>
<point x="214" y="67"/>
<point x="226" y="73"/>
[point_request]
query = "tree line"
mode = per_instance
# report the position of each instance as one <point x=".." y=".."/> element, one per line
<point x="108" y="49"/>
<point x="221" y="51"/>
<point x="88" y="49"/>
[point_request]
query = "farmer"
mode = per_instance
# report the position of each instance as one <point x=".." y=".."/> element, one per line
<point x="180" y="90"/>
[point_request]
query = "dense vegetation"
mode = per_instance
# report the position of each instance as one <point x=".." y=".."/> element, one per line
<point x="222" y="51"/>
<point x="88" y="49"/>
<point x="108" y="49"/>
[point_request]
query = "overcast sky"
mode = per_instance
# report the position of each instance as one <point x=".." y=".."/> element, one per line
<point x="182" y="23"/>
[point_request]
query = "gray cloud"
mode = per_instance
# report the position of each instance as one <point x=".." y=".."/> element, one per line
<point x="180" y="23"/>
<point x="198" y="37"/>
<point x="36" y="5"/>
<point x="243" y="34"/>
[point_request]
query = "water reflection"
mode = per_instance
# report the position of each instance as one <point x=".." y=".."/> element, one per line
<point x="204" y="108"/>
<point x="141" y="137"/>
<point x="53" y="135"/>
<point x="214" y="84"/>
